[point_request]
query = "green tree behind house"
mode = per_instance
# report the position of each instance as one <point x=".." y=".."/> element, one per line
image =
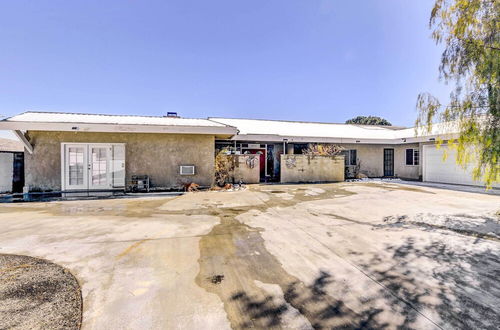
<point x="368" y="120"/>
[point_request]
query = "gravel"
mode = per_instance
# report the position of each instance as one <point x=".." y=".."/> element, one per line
<point x="37" y="294"/>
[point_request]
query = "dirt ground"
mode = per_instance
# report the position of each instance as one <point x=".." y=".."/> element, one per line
<point x="37" y="294"/>
<point x="346" y="255"/>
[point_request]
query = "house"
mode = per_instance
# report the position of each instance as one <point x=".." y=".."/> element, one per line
<point x="375" y="151"/>
<point x="11" y="166"/>
<point x="74" y="152"/>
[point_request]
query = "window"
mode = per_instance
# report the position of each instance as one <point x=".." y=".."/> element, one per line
<point x="350" y="157"/>
<point x="99" y="165"/>
<point x="298" y="148"/>
<point x="412" y="157"/>
<point x="75" y="165"/>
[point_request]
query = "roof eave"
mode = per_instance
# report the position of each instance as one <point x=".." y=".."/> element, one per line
<point x="350" y="140"/>
<point x="116" y="128"/>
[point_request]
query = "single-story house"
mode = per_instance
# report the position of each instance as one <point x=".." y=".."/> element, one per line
<point x="73" y="152"/>
<point x="374" y="151"/>
<point x="11" y="166"/>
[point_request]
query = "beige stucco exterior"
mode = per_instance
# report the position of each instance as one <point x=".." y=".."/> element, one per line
<point x="303" y="168"/>
<point x="371" y="159"/>
<point x="246" y="168"/>
<point x="156" y="155"/>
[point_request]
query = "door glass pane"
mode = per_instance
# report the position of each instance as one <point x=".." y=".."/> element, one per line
<point x="75" y="155"/>
<point x="99" y="166"/>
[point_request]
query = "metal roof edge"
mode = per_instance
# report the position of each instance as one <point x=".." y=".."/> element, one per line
<point x="104" y="115"/>
<point x="392" y="127"/>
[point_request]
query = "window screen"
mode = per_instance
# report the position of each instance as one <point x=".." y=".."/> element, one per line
<point x="409" y="156"/>
<point x="352" y="157"/>
<point x="412" y="157"/>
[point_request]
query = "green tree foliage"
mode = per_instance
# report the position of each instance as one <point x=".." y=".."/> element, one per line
<point x="470" y="31"/>
<point x="368" y="120"/>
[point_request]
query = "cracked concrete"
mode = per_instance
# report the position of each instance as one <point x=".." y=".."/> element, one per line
<point x="288" y="256"/>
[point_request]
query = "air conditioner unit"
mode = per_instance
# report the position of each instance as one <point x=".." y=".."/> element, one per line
<point x="186" y="169"/>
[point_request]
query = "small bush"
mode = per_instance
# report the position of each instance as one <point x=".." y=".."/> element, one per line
<point x="224" y="166"/>
<point x="323" y="149"/>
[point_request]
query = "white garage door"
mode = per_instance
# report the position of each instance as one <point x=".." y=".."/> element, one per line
<point x="437" y="170"/>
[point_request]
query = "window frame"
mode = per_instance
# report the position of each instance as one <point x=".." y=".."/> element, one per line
<point x="415" y="157"/>
<point x="348" y="155"/>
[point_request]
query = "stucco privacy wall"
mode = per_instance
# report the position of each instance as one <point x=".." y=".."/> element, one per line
<point x="303" y="168"/>
<point x="246" y="168"/>
<point x="371" y="158"/>
<point x="157" y="155"/>
<point x="6" y="171"/>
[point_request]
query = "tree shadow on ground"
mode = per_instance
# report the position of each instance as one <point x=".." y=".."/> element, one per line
<point x="431" y="284"/>
<point x="312" y="302"/>
<point x="469" y="225"/>
<point x="461" y="286"/>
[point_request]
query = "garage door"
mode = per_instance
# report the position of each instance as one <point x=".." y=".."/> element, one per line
<point x="437" y="170"/>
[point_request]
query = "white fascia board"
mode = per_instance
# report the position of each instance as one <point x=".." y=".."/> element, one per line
<point x="428" y="138"/>
<point x="116" y="128"/>
<point x="312" y="139"/>
<point x="305" y="139"/>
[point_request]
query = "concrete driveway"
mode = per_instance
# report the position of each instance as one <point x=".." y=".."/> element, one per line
<point x="379" y="255"/>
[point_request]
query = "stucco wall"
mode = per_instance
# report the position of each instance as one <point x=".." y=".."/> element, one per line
<point x="302" y="168"/>
<point x="6" y="171"/>
<point x="371" y="157"/>
<point x="157" y="155"/>
<point x="246" y="168"/>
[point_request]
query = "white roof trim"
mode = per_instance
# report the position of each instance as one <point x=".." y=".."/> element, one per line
<point x="277" y="131"/>
<point x="49" y="121"/>
<point x="315" y="139"/>
<point x="239" y="129"/>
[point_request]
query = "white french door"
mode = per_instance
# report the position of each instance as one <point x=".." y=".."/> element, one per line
<point x="92" y="166"/>
<point x="75" y="167"/>
<point x="99" y="166"/>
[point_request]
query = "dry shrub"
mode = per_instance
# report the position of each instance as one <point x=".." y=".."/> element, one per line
<point x="323" y="149"/>
<point x="224" y="166"/>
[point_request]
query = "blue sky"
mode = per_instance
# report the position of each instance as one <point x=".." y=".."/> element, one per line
<point x="317" y="60"/>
